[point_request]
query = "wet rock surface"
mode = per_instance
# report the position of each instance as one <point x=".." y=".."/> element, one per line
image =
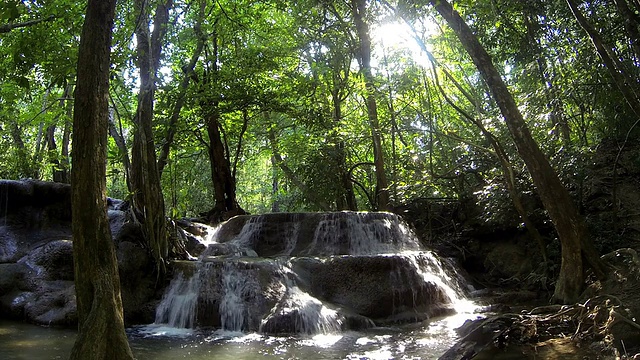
<point x="313" y="273"/>
<point x="36" y="255"/>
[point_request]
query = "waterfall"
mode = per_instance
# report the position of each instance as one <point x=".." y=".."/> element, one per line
<point x="362" y="233"/>
<point x="178" y="305"/>
<point x="431" y="268"/>
<point x="236" y="287"/>
<point x="302" y="312"/>
<point x="310" y="273"/>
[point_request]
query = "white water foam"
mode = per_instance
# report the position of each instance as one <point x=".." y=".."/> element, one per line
<point x="314" y="316"/>
<point x="429" y="266"/>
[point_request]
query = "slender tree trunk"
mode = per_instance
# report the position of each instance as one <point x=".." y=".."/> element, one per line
<point x="145" y="180"/>
<point x="37" y="156"/>
<point x="306" y="192"/>
<point x="177" y="107"/>
<point x="52" y="153"/>
<point x="275" y="187"/>
<point x="507" y="171"/>
<point x="60" y="165"/>
<point x="358" y="8"/>
<point x="25" y="165"/>
<point x="576" y="245"/>
<point x="100" y="318"/>
<point x="625" y="84"/>
<point x="346" y="199"/>
<point x="66" y="136"/>
<point x="122" y="147"/>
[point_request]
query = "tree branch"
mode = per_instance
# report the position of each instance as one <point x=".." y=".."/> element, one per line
<point x="8" y="27"/>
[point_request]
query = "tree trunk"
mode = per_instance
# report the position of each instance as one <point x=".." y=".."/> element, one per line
<point x="122" y="147"/>
<point x="61" y="164"/>
<point x="25" y="165"/>
<point x="222" y="176"/>
<point x="100" y="318"/>
<point x="148" y="199"/>
<point x="625" y="84"/>
<point x="575" y="243"/>
<point x="66" y="136"/>
<point x="306" y="192"/>
<point x="346" y="199"/>
<point x="358" y="9"/>
<point x="177" y="107"/>
<point x="223" y="182"/>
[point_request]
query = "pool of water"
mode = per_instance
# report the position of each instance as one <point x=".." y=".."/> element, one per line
<point x="417" y="341"/>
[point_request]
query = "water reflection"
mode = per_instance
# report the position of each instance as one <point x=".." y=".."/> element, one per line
<point x="426" y="341"/>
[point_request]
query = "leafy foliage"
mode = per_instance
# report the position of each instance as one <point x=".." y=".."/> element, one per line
<point x="286" y="67"/>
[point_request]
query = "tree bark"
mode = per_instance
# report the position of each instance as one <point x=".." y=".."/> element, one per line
<point x="358" y="9"/>
<point x="100" y="317"/>
<point x="346" y="199"/>
<point x="575" y="243"/>
<point x="222" y="176"/>
<point x="60" y="165"/>
<point x="66" y="136"/>
<point x="148" y="199"/>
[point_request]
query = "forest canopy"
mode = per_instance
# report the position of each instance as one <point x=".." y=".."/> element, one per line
<point x="321" y="105"/>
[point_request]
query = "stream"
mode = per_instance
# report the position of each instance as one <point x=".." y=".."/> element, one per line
<point x="428" y="340"/>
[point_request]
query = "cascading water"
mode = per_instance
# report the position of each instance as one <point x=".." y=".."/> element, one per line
<point x="236" y="288"/>
<point x="178" y="305"/>
<point x="310" y="273"/>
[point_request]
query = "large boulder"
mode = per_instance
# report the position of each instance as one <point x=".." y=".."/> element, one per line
<point x="384" y="288"/>
<point x="36" y="255"/>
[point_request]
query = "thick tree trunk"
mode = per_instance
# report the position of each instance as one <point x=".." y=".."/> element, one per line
<point x="100" y="321"/>
<point x="576" y="245"/>
<point x="358" y="9"/>
<point x="148" y="199"/>
<point x="224" y="183"/>
<point x="222" y="176"/>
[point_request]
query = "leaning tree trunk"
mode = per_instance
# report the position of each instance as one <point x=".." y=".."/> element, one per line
<point x="100" y="318"/>
<point x="358" y="9"/>
<point x="576" y="245"/>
